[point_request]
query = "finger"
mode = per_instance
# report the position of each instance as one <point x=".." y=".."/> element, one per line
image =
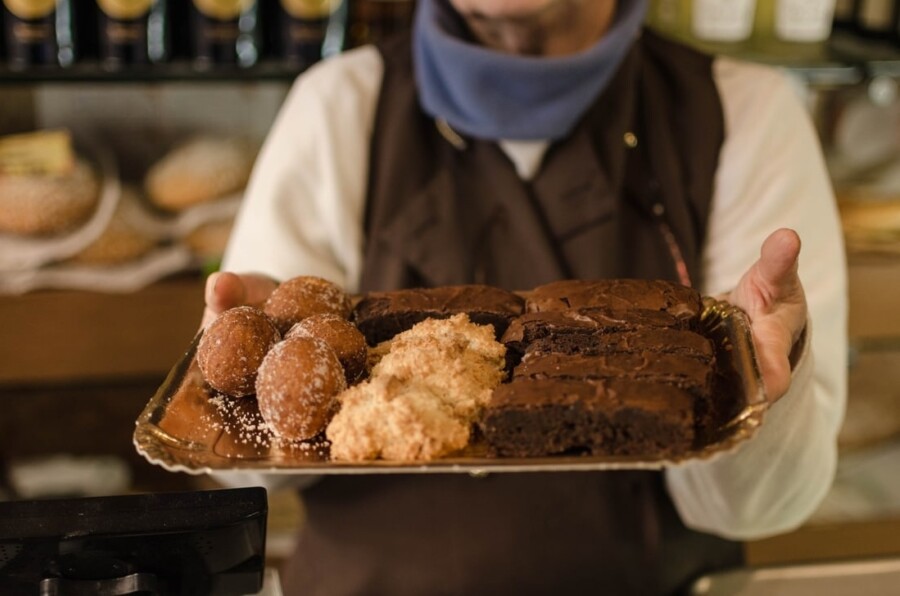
<point x="778" y="263"/>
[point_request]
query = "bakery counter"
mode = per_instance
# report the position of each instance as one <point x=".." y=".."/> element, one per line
<point x="55" y="337"/>
<point x="828" y="542"/>
<point x="77" y="367"/>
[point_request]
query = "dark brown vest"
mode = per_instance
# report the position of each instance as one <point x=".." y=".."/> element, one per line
<point x="442" y="212"/>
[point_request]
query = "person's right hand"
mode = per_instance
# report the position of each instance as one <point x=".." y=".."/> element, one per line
<point x="226" y="290"/>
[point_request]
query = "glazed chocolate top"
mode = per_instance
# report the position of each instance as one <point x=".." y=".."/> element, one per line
<point x="617" y="294"/>
<point x="609" y="394"/>
<point x="446" y="300"/>
<point x="533" y="326"/>
<point x="675" y="369"/>
<point x="675" y="341"/>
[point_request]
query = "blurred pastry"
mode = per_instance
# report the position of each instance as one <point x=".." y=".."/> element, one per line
<point x="201" y="170"/>
<point x="124" y="239"/>
<point x="208" y="241"/>
<point x="37" y="204"/>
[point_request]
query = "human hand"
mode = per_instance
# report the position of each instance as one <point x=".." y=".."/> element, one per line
<point x="226" y="290"/>
<point x="771" y="294"/>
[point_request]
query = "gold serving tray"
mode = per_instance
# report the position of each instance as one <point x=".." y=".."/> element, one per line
<point x="186" y="428"/>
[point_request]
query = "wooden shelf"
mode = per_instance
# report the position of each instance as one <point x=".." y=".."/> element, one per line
<point x="72" y="336"/>
<point x="851" y="540"/>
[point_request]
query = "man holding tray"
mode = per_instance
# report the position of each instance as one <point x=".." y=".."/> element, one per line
<point x="640" y="158"/>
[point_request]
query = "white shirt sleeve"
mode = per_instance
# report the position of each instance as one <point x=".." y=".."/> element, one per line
<point x="771" y="175"/>
<point x="303" y="208"/>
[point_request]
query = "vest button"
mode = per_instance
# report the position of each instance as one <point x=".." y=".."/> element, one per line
<point x="631" y="140"/>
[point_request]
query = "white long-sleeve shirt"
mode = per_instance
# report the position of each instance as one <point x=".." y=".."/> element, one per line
<point x="303" y="215"/>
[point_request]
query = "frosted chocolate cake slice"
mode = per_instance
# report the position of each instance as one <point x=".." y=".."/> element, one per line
<point x="533" y="418"/>
<point x="581" y="325"/>
<point x="665" y="341"/>
<point x="382" y="315"/>
<point x="618" y="294"/>
<point x="677" y="370"/>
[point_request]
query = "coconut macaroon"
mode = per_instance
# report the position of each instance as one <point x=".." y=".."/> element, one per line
<point x="395" y="420"/>
<point x="423" y="395"/>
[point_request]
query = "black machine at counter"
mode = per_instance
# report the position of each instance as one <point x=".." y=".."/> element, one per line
<point x="191" y="543"/>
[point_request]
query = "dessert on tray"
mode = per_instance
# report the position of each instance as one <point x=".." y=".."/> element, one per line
<point x="610" y="368"/>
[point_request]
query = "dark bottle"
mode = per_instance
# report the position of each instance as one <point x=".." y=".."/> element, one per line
<point x="224" y="33"/>
<point x="876" y="19"/>
<point x="38" y="33"/>
<point x="311" y="30"/>
<point x="843" y="13"/>
<point x="132" y="32"/>
<point x="373" y="20"/>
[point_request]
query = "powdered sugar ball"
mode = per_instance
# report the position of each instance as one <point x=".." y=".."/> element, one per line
<point x="348" y="343"/>
<point x="301" y="297"/>
<point x="233" y="347"/>
<point x="297" y="385"/>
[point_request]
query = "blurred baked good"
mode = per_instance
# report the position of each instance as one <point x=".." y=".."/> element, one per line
<point x="124" y="239"/>
<point x="233" y="347"/>
<point x="201" y="170"/>
<point x="47" y="204"/>
<point x="300" y="297"/>
<point x="208" y="241"/>
<point x="342" y="336"/>
<point x="297" y="385"/>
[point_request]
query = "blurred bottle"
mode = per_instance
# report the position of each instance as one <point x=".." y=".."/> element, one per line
<point x="877" y="19"/>
<point x="722" y="25"/>
<point x="843" y="14"/>
<point x="38" y="33"/>
<point x="311" y="30"/>
<point x="132" y="32"/>
<point x="793" y="29"/>
<point x="224" y="33"/>
<point x="373" y="20"/>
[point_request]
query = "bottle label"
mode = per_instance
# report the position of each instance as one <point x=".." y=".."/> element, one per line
<point x="876" y="14"/>
<point x="125" y="10"/>
<point x="30" y="9"/>
<point x="310" y="9"/>
<point x="723" y="20"/>
<point x="222" y="10"/>
<point x="803" y="20"/>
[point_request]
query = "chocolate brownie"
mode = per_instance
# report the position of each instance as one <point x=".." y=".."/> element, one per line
<point x="382" y="315"/>
<point x="673" y="369"/>
<point x="618" y="294"/>
<point x="533" y="418"/>
<point x="585" y="323"/>
<point x="665" y="341"/>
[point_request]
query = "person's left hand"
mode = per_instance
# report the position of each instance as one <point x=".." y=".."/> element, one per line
<point x="771" y="294"/>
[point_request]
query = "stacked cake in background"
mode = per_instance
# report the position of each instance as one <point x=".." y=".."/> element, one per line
<point x="613" y="367"/>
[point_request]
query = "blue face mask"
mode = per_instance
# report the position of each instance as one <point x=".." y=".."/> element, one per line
<point x="493" y="95"/>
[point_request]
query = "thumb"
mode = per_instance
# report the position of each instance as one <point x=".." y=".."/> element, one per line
<point x="224" y="290"/>
<point x="778" y="263"/>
